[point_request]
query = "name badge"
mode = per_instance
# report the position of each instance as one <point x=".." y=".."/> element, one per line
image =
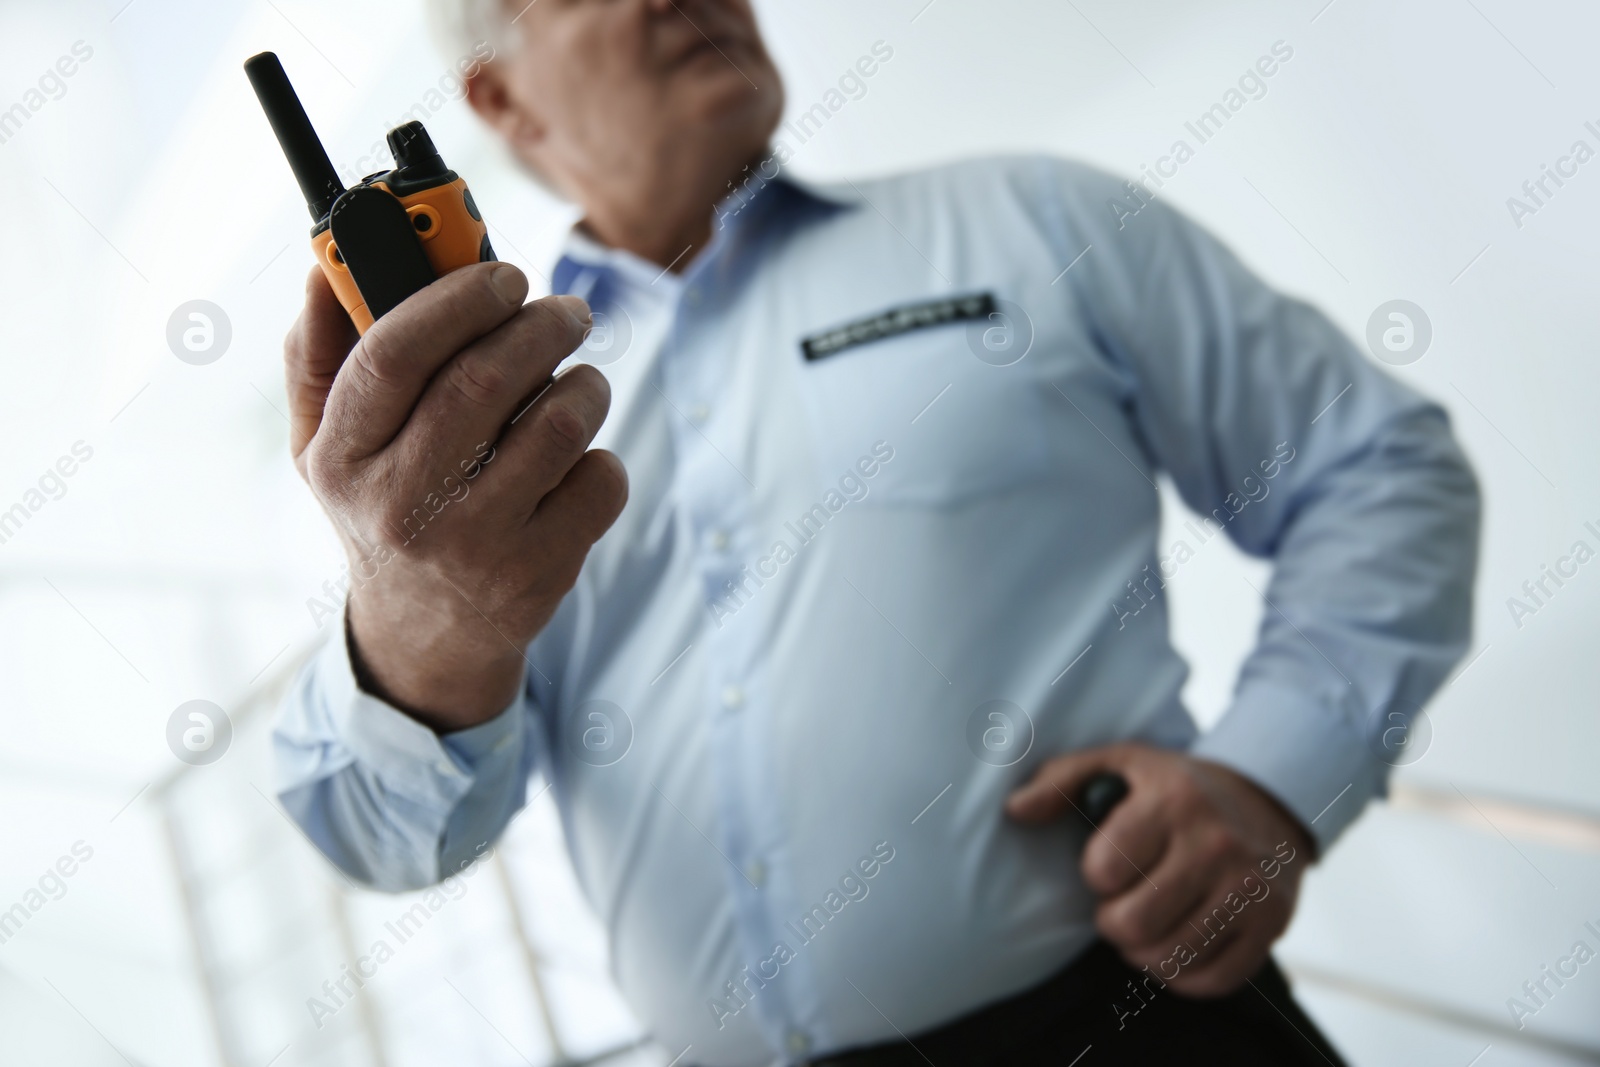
<point x="897" y="321"/>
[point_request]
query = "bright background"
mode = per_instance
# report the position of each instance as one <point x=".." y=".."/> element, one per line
<point x="178" y="563"/>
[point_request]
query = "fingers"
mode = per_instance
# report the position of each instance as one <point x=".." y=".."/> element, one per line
<point x="392" y="364"/>
<point x="1208" y="956"/>
<point x="312" y="354"/>
<point x="486" y="385"/>
<point x="1177" y="863"/>
<point x="574" y="514"/>
<point x="494" y="488"/>
<point x="1209" y="926"/>
<point x="549" y="435"/>
<point x="1141" y="915"/>
<point x="1225" y="966"/>
<point x="539" y="478"/>
<point x="1053" y="790"/>
<point x="1131" y="842"/>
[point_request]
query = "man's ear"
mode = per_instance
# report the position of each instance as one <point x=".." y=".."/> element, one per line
<point x="491" y="98"/>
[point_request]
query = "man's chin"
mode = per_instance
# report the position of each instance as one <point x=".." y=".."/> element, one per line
<point x="721" y="95"/>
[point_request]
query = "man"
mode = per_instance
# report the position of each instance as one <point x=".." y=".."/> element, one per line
<point x="817" y="701"/>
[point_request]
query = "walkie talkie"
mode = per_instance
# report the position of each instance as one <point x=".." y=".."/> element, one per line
<point x="392" y="232"/>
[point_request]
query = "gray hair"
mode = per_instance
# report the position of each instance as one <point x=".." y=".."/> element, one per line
<point x="458" y="25"/>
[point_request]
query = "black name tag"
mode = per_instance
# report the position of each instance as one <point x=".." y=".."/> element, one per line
<point x="897" y="321"/>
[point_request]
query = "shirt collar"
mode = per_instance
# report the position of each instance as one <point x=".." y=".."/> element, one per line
<point x="836" y="194"/>
<point x="592" y="270"/>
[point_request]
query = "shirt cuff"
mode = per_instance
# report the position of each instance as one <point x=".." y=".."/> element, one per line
<point x="1302" y="748"/>
<point x="407" y="757"/>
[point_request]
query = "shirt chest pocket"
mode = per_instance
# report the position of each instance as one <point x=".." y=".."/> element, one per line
<point x="956" y="406"/>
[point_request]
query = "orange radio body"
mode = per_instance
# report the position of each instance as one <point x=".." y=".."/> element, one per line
<point x="388" y="235"/>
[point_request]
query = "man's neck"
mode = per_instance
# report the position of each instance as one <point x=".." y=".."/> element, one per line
<point x="665" y="221"/>
<point x="668" y="239"/>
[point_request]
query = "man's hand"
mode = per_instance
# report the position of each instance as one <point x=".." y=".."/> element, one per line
<point x="1193" y="841"/>
<point x="465" y="505"/>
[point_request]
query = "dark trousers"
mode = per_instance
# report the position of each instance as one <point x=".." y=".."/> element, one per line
<point x="1089" y="1010"/>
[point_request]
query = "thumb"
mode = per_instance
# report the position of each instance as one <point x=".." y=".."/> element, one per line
<point x="312" y="354"/>
<point x="1053" y="790"/>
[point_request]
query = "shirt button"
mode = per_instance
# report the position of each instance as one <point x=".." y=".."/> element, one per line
<point x="693" y="296"/>
<point x="446" y="768"/>
<point x="732" y="697"/>
<point x="797" y="1043"/>
<point x="756" y="871"/>
<point x="719" y="539"/>
<point x="699" y="413"/>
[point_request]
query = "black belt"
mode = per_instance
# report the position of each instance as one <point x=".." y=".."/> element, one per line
<point x="1089" y="1010"/>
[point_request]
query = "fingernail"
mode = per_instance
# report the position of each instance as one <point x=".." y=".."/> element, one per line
<point x="510" y="283"/>
<point x="577" y="308"/>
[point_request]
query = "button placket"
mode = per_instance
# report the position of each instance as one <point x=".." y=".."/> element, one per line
<point x="716" y="497"/>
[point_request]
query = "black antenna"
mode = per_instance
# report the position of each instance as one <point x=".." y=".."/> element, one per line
<point x="319" y="182"/>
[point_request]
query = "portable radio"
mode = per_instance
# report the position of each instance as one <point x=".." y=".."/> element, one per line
<point x="1100" y="794"/>
<point x="388" y="235"/>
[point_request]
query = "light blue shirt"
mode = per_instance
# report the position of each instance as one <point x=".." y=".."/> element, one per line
<point x="856" y="599"/>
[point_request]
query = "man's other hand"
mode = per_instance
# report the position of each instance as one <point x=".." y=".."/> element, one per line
<point x="458" y="476"/>
<point x="1197" y="870"/>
